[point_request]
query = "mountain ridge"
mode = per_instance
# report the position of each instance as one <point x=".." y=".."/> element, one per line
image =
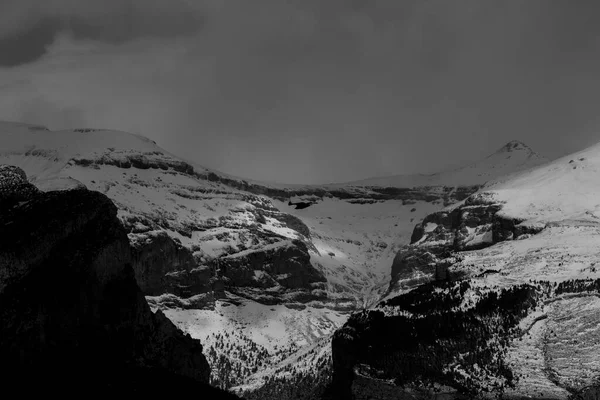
<point x="488" y="168"/>
<point x="510" y="147"/>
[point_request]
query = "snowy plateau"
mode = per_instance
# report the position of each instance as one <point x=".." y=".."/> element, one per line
<point x="287" y="286"/>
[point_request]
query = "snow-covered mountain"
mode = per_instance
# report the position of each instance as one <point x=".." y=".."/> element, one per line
<point x="513" y="156"/>
<point x="564" y="189"/>
<point x="279" y="265"/>
<point x="506" y="286"/>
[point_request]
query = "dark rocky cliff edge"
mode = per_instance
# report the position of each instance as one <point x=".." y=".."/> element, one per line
<point x="73" y="320"/>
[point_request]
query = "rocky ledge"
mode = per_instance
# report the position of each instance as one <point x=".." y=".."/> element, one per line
<point x="71" y="311"/>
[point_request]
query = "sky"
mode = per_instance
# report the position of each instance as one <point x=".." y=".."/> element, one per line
<point x="310" y="91"/>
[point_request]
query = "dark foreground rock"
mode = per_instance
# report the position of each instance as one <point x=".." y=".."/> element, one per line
<point x="73" y="320"/>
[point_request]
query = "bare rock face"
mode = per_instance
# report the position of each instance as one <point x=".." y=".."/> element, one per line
<point x="164" y="266"/>
<point x="169" y="273"/>
<point x="70" y="306"/>
<point x="285" y="269"/>
<point x="476" y="224"/>
<point x="154" y="160"/>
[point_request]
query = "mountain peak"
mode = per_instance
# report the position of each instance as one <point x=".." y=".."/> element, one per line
<point x="514" y="145"/>
<point x="478" y="172"/>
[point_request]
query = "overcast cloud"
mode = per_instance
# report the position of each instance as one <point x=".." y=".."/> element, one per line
<point x="308" y="91"/>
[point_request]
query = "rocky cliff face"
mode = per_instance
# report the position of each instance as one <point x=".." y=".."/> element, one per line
<point x="482" y="304"/>
<point x="163" y="265"/>
<point x="275" y="273"/>
<point x="437" y="241"/>
<point x="69" y="303"/>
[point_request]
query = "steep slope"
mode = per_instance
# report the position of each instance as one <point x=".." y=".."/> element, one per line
<point x="496" y="296"/>
<point x="71" y="311"/>
<point x="564" y="189"/>
<point x="208" y="247"/>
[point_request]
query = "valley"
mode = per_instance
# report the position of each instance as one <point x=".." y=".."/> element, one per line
<point x="266" y="285"/>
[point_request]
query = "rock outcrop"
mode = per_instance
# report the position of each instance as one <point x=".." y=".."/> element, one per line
<point x="279" y="272"/>
<point x="163" y="265"/>
<point x="71" y="311"/>
<point x="147" y="160"/>
<point x="437" y="241"/>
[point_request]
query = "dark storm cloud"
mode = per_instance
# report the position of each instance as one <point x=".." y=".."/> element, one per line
<point x="317" y="91"/>
<point x="27" y="27"/>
